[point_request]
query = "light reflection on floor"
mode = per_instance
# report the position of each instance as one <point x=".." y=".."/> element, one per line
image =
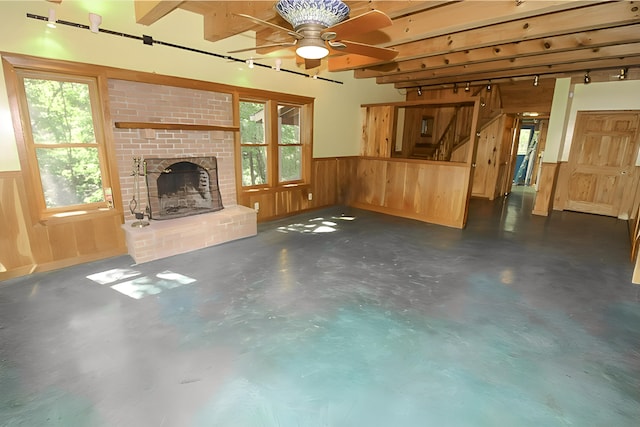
<point x="140" y="287"/>
<point x="316" y="225"/>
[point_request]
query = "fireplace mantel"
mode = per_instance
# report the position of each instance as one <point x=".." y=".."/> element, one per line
<point x="174" y="126"/>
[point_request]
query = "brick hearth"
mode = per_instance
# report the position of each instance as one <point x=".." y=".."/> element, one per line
<point x="175" y="236"/>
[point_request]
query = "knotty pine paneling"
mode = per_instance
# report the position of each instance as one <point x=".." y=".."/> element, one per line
<point x="284" y="201"/>
<point x="426" y="191"/>
<point x="546" y="189"/>
<point x="26" y="247"/>
<point x="378" y="130"/>
<point x="16" y="257"/>
<point x="347" y="170"/>
<point x="325" y="182"/>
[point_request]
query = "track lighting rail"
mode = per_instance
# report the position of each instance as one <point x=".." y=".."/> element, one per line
<point x="148" y="40"/>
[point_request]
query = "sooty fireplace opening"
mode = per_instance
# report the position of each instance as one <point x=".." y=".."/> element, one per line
<point x="180" y="187"/>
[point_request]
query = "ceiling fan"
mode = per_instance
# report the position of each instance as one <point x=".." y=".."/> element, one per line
<point x="321" y="26"/>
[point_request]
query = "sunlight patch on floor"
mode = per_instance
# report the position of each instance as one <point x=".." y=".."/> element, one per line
<point x="143" y="286"/>
<point x="111" y="276"/>
<point x="316" y="225"/>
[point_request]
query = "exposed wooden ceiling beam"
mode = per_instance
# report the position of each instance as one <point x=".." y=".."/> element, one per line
<point x="584" y="19"/>
<point x="147" y="11"/>
<point x="565" y="43"/>
<point x="222" y="22"/>
<point x="574" y="57"/>
<point x="557" y="70"/>
<point x="456" y="17"/>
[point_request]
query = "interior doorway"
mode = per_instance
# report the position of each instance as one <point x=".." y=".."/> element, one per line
<point x="527" y="149"/>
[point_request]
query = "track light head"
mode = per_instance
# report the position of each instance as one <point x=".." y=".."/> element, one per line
<point x="623" y="74"/>
<point x="419" y="91"/>
<point x="536" y="80"/>
<point x="51" y="21"/>
<point x="489" y="86"/>
<point x="467" y="87"/>
<point x="455" y="88"/>
<point x="94" y="22"/>
<point x="587" y="78"/>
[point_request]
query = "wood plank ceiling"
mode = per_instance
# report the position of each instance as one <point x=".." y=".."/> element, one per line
<point x="442" y="43"/>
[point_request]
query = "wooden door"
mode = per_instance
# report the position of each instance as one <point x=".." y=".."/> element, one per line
<point x="505" y="159"/>
<point x="489" y="173"/>
<point x="601" y="161"/>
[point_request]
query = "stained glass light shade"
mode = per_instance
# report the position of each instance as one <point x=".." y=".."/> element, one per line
<point x="321" y="12"/>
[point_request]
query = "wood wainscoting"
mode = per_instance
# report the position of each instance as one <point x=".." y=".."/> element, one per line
<point x="330" y="185"/>
<point x="434" y="192"/>
<point x="27" y="247"/>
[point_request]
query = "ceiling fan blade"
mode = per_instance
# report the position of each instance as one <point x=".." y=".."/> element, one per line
<point x="365" y="23"/>
<point x="265" y="46"/>
<point x="270" y="25"/>
<point x="382" y="53"/>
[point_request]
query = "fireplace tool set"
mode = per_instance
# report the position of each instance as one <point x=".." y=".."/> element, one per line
<point x="138" y="164"/>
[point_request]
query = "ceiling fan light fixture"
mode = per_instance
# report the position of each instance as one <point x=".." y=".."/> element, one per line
<point x="311" y="49"/>
<point x="322" y="12"/>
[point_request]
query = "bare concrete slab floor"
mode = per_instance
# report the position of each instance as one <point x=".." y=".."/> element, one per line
<point x="339" y="317"/>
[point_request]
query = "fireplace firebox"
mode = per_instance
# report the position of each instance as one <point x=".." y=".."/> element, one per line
<point x="179" y="187"/>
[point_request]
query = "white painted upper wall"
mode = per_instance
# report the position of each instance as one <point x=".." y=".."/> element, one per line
<point x="555" y="132"/>
<point x="337" y="121"/>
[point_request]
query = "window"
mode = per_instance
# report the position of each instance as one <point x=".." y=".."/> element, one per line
<point x="254" y="147"/>
<point x="273" y="143"/>
<point x="63" y="141"/>
<point x="289" y="145"/>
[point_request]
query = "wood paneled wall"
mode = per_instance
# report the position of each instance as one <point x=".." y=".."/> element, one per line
<point x="27" y="247"/>
<point x="378" y="130"/>
<point x="330" y="182"/>
<point x="433" y="192"/>
<point x="546" y="189"/>
<point x="16" y="257"/>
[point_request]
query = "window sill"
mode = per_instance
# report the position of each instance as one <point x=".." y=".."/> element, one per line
<point x="301" y="185"/>
<point x="73" y="216"/>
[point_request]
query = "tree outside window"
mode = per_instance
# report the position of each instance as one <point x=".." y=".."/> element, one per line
<point x="289" y="144"/>
<point x="253" y="144"/>
<point x="63" y="140"/>
<point x="271" y="143"/>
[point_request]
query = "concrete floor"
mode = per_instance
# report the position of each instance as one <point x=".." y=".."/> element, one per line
<point x="338" y="318"/>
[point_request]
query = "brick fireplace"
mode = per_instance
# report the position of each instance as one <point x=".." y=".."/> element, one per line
<point x="149" y="103"/>
<point x="178" y="187"/>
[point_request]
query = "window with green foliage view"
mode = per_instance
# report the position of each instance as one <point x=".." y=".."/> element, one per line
<point x="289" y="145"/>
<point x="254" y="146"/>
<point x="63" y="140"/>
<point x="263" y="150"/>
